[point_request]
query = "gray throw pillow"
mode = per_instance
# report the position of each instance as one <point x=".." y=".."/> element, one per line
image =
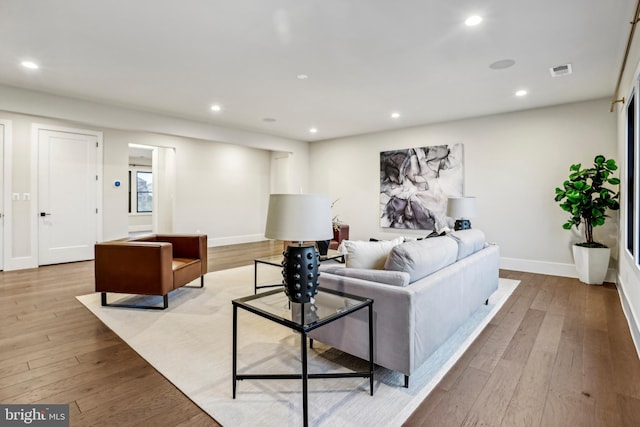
<point x="422" y="257"/>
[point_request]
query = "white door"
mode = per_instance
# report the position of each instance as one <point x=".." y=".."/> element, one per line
<point x="2" y="131"/>
<point x="67" y="196"/>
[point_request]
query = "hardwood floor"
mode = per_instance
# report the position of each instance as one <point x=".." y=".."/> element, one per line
<point x="559" y="353"/>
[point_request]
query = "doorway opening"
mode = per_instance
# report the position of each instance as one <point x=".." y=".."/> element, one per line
<point x="151" y="186"/>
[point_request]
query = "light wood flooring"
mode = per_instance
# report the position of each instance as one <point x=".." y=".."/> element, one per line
<point x="559" y="353"/>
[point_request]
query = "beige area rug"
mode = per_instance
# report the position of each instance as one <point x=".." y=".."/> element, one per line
<point x="190" y="344"/>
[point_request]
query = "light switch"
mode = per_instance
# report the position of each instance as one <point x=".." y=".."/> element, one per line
<point x="16" y="196"/>
<point x="26" y="196"/>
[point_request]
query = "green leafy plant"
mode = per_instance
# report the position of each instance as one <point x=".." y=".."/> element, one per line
<point x="587" y="199"/>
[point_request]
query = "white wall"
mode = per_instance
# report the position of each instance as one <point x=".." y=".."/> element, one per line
<point x="222" y="174"/>
<point x="513" y="163"/>
<point x="220" y="189"/>
<point x="164" y="187"/>
<point x="629" y="272"/>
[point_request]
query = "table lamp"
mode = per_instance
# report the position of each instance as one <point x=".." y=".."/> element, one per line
<point x="461" y="209"/>
<point x="299" y="218"/>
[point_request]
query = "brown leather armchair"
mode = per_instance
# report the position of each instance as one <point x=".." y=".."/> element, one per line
<point x="153" y="264"/>
<point x="340" y="233"/>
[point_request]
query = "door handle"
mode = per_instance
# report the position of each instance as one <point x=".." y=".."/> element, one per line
<point x="44" y="214"/>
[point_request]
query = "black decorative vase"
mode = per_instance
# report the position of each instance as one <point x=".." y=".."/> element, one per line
<point x="323" y="247"/>
<point x="300" y="273"/>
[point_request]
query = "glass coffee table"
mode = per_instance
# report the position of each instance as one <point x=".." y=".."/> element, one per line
<point x="328" y="307"/>
<point x="276" y="261"/>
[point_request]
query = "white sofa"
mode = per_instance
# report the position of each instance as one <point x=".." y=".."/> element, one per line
<point x="425" y="292"/>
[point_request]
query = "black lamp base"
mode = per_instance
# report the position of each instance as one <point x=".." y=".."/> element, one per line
<point x="300" y="273"/>
<point x="462" y="224"/>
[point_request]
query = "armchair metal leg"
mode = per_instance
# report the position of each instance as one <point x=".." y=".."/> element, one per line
<point x="196" y="286"/>
<point x="165" y="303"/>
<point x="406" y="381"/>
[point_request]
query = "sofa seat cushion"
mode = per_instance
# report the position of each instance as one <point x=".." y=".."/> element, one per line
<point x="422" y="257"/>
<point x="394" y="278"/>
<point x="185" y="270"/>
<point x="372" y="255"/>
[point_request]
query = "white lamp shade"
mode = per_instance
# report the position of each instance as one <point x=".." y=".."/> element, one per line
<point x="299" y="217"/>
<point x="462" y="207"/>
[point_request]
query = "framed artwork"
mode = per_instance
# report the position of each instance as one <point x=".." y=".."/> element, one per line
<point x="415" y="184"/>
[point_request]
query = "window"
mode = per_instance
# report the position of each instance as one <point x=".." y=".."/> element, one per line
<point x="140" y="189"/>
<point x="144" y="191"/>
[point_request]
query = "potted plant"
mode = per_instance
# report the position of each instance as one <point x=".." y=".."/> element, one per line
<point x="587" y="200"/>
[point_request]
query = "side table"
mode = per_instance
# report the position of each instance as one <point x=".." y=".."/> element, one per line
<point x="328" y="307"/>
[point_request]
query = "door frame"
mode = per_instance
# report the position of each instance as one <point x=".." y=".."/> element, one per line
<point x="35" y="136"/>
<point x="7" y="206"/>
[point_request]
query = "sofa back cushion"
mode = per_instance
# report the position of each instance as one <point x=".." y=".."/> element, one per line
<point x="422" y="257"/>
<point x="469" y="242"/>
<point x="362" y="254"/>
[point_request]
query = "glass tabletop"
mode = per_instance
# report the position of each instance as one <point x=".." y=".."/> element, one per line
<point x="277" y="259"/>
<point x="327" y="306"/>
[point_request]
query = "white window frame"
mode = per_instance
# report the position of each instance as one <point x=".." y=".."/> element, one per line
<point x="134" y="189"/>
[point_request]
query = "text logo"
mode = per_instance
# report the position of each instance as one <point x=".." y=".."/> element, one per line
<point x="34" y="415"/>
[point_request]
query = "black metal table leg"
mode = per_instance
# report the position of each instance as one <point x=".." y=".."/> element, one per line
<point x="371" y="349"/>
<point x="303" y="350"/>
<point x="255" y="277"/>
<point x="235" y="346"/>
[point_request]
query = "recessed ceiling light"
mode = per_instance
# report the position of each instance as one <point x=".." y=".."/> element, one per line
<point x="313" y="130"/>
<point x="30" y="65"/>
<point x="395" y="115"/>
<point x="216" y="107"/>
<point x="302" y="77"/>
<point x="473" y="20"/>
<point x="521" y="92"/>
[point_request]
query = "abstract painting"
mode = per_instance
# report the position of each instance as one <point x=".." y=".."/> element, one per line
<point x="415" y="184"/>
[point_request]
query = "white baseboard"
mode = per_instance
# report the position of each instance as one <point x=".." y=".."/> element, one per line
<point x="140" y="228"/>
<point x="234" y="240"/>
<point x="631" y="318"/>
<point x="20" y="263"/>
<point x="550" y="268"/>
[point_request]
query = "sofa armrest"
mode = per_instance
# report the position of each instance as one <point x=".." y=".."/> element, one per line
<point x="393" y="308"/>
<point x="134" y="267"/>
<point x="192" y="246"/>
<point x="450" y="296"/>
<point x="392" y="278"/>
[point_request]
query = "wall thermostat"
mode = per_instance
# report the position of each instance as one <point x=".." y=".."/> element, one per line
<point x="117" y="184"/>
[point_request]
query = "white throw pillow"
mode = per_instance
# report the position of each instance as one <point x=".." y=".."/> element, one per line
<point x="372" y="255"/>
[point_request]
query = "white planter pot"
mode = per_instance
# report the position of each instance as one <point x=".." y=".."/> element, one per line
<point x="591" y="263"/>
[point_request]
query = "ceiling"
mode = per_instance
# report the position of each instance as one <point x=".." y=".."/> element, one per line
<point x="364" y="58"/>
